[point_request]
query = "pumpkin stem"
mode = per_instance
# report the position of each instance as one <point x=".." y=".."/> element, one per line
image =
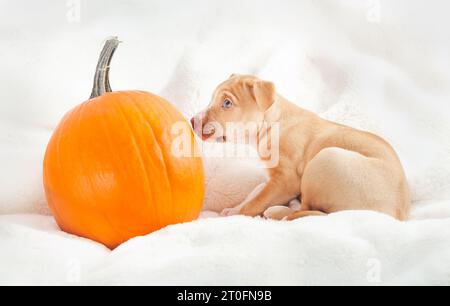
<point x="101" y="79"/>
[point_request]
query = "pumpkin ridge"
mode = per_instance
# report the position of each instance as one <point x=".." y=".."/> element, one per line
<point x="139" y="156"/>
<point x="88" y="225"/>
<point x="106" y="216"/>
<point x="48" y="176"/>
<point x="67" y="123"/>
<point x="163" y="157"/>
<point x="172" y="117"/>
<point x="175" y="116"/>
<point x="157" y="146"/>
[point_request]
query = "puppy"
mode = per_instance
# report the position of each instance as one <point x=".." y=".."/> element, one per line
<point x="329" y="166"/>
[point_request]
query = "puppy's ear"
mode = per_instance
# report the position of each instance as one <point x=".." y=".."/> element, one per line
<point x="264" y="93"/>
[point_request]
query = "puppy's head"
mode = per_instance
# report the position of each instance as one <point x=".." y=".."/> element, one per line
<point x="242" y="99"/>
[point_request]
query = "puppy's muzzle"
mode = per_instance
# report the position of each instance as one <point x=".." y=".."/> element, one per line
<point x="203" y="129"/>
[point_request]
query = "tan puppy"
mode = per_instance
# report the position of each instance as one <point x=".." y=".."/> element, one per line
<point x="332" y="167"/>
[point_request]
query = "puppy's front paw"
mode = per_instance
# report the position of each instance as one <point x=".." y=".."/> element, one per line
<point x="230" y="212"/>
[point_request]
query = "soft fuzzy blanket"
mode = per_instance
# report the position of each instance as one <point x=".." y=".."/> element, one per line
<point x="378" y="65"/>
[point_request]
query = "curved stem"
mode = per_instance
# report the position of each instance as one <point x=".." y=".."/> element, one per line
<point x="101" y="79"/>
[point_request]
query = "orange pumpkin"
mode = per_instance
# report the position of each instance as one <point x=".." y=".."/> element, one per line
<point x="109" y="170"/>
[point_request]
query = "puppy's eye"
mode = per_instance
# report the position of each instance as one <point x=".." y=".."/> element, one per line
<point x="227" y="104"/>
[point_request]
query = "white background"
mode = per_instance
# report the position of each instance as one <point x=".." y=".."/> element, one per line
<point x="380" y="65"/>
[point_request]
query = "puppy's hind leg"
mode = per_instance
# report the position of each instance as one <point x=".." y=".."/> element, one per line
<point x="305" y="213"/>
<point x="278" y="212"/>
<point x="281" y="212"/>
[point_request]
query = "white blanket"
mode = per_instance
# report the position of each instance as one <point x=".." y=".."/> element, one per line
<point x="380" y="65"/>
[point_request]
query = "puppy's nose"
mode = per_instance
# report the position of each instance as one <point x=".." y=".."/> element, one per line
<point x="197" y="126"/>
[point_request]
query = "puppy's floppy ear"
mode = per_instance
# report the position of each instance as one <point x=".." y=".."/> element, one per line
<point x="264" y="93"/>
